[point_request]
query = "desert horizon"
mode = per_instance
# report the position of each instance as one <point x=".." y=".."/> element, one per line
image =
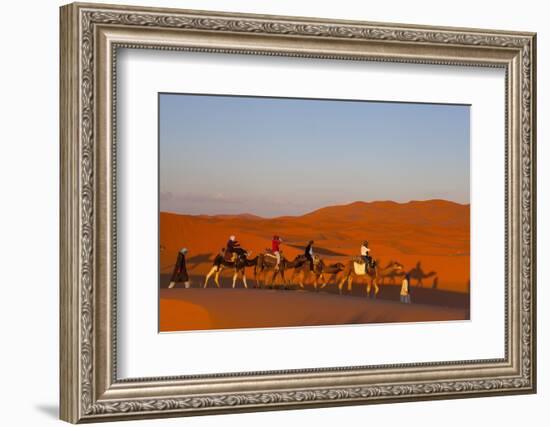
<point x="251" y="215"/>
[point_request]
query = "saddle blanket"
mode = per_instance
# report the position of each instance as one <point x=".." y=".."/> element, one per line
<point x="359" y="268"/>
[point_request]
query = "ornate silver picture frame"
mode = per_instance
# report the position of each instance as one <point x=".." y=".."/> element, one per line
<point x="91" y="35"/>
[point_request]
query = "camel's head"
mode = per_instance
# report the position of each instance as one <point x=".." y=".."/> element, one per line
<point x="396" y="266"/>
<point x="338" y="266"/>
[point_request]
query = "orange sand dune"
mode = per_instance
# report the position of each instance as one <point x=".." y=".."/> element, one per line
<point x="185" y="309"/>
<point x="435" y="233"/>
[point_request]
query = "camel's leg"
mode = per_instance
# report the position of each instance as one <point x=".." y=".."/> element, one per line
<point x="217" y="278"/>
<point x="330" y="278"/>
<point x="376" y="288"/>
<point x="341" y="285"/>
<point x="325" y="282"/>
<point x="350" y="282"/>
<point x="420" y="284"/>
<point x="235" y="278"/>
<point x="297" y="278"/>
<point x="302" y="279"/>
<point x="267" y="283"/>
<point x="210" y="273"/>
<point x="258" y="277"/>
<point x="368" y="288"/>
<point x="244" y="280"/>
<point x="274" y="278"/>
<point x="282" y="273"/>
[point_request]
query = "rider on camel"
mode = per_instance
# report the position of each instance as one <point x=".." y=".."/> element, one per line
<point x="276" y="249"/>
<point x="365" y="253"/>
<point x="309" y="253"/>
<point x="233" y="247"/>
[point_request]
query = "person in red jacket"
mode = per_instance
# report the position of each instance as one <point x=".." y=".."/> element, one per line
<point x="276" y="249"/>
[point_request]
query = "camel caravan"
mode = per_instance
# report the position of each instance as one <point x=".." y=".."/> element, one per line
<point x="272" y="265"/>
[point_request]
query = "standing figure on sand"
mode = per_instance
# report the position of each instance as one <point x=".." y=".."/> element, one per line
<point x="180" y="270"/>
<point x="404" y="295"/>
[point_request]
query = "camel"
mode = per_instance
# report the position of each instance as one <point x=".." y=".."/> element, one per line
<point x="418" y="274"/>
<point x="303" y="270"/>
<point x="391" y="274"/>
<point x="320" y="269"/>
<point x="358" y="268"/>
<point x="239" y="262"/>
<point x="332" y="270"/>
<point x="266" y="262"/>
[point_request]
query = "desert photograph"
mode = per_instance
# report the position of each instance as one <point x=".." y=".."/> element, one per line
<point x="295" y="212"/>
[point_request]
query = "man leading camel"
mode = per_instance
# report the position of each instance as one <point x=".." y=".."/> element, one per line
<point x="180" y="270"/>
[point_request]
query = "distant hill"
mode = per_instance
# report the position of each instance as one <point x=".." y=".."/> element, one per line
<point x="234" y="216"/>
<point x="430" y="212"/>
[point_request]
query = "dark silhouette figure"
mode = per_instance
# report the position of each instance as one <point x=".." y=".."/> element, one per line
<point x="180" y="270"/>
<point x="418" y="274"/>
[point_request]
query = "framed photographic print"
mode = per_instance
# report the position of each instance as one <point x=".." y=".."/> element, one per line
<point x="267" y="212"/>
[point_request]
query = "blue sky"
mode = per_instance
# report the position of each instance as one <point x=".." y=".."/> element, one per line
<point x="277" y="156"/>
